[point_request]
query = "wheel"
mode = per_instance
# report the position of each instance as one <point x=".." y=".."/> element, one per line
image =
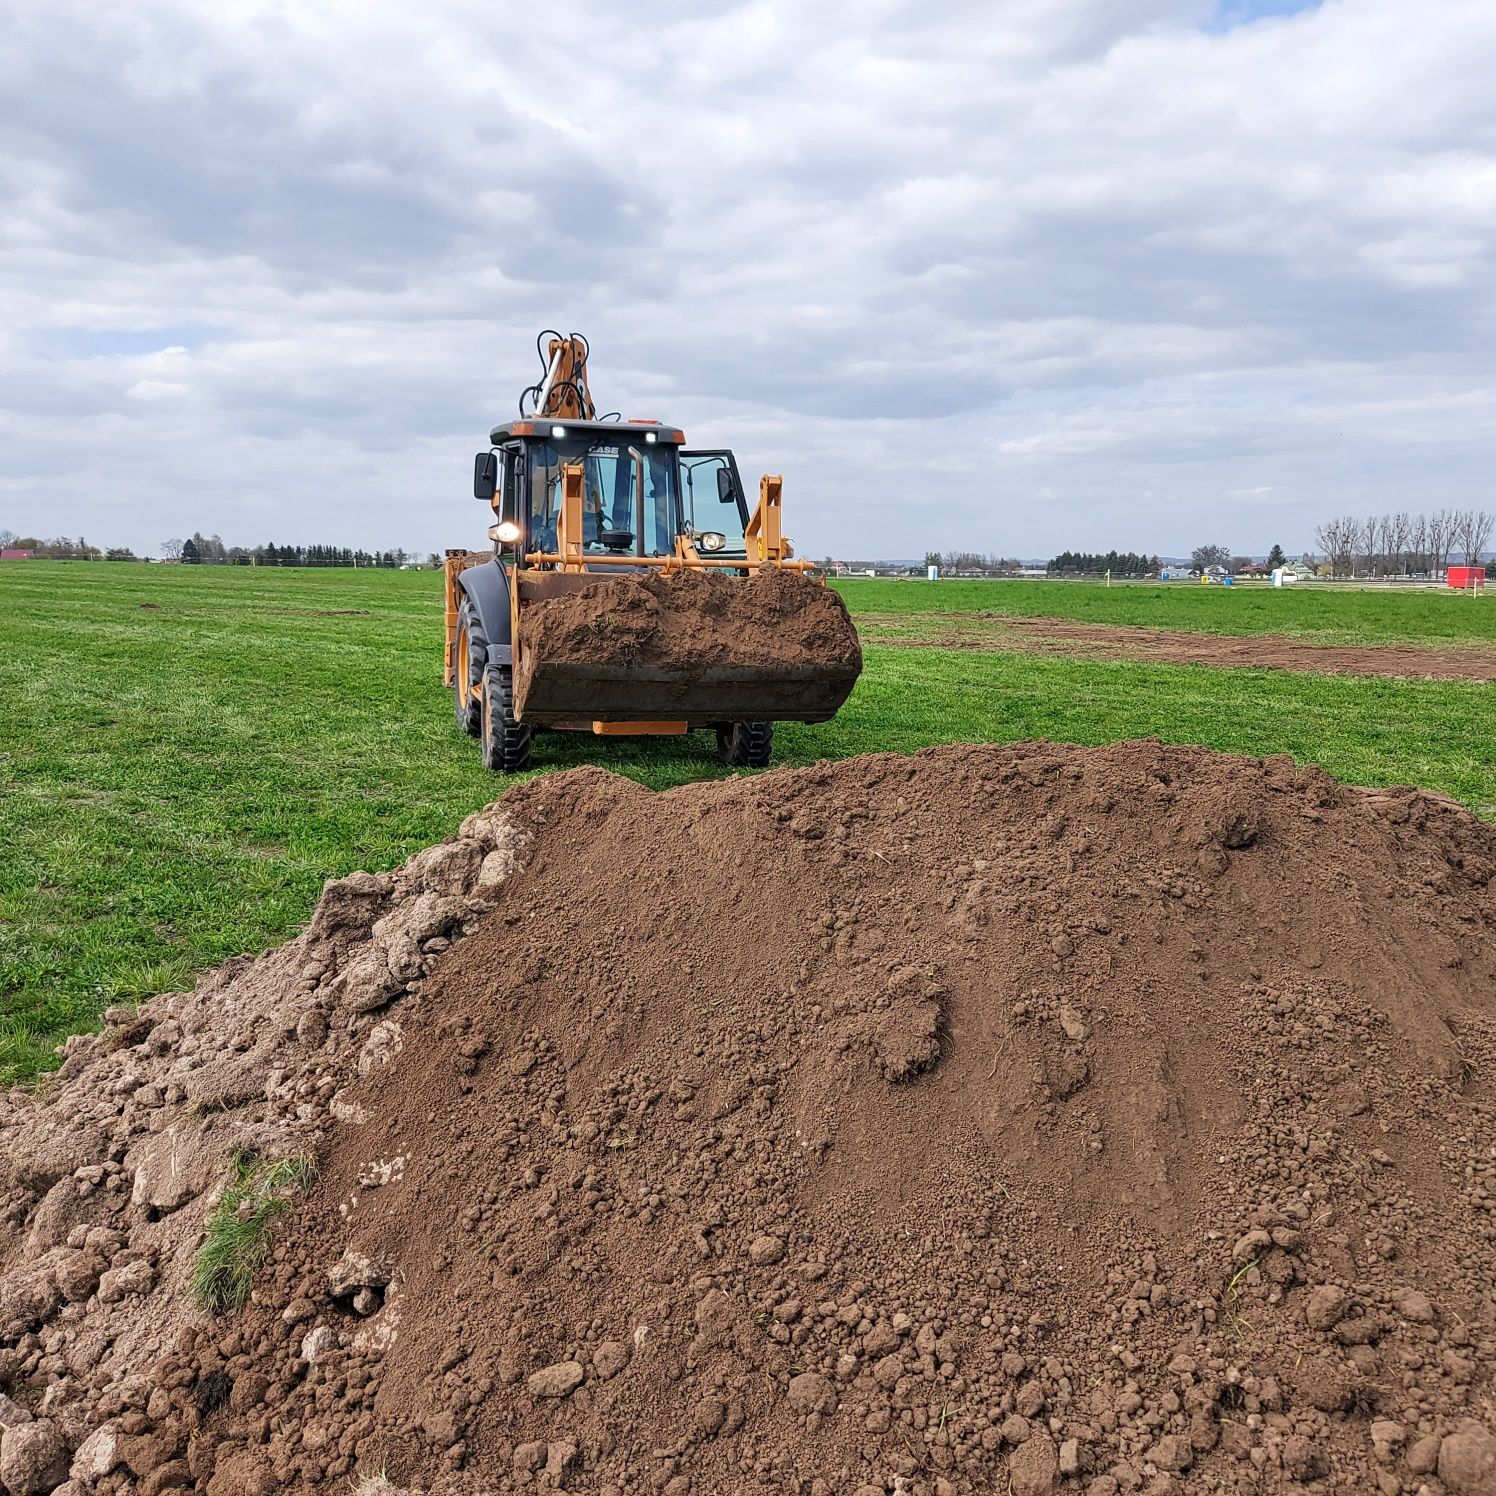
<point x="467" y="670"/>
<point x="745" y="745"/>
<point x="506" y="743"/>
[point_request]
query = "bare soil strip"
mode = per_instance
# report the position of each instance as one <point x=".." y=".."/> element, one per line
<point x="1180" y="647"/>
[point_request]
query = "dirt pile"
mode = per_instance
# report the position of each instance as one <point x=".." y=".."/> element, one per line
<point x="1027" y="1118"/>
<point x="695" y="626"/>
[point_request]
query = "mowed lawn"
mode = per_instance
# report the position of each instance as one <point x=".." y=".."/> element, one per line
<point x="187" y="753"/>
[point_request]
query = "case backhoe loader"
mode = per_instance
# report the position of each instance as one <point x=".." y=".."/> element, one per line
<point x="577" y="500"/>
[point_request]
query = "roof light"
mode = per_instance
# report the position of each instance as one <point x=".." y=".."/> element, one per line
<point x="649" y="436"/>
<point x="558" y="432"/>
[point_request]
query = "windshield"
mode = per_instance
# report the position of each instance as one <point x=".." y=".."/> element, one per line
<point x="610" y="500"/>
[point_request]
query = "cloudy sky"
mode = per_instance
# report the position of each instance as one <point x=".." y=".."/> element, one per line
<point x="1014" y="276"/>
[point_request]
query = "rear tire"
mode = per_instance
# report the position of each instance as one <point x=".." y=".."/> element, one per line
<point x="745" y="745"/>
<point x="467" y="670"/>
<point x="506" y="743"/>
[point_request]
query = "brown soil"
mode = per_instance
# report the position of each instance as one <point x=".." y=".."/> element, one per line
<point x="1020" y="1118"/>
<point x="691" y="622"/>
<point x="1180" y="647"/>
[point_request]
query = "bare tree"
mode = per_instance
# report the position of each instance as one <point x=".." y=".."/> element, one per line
<point x="1396" y="540"/>
<point x="1337" y="538"/>
<point x="1473" y="530"/>
<point x="1417" y="552"/>
<point x="1440" y="538"/>
<point x="172" y="549"/>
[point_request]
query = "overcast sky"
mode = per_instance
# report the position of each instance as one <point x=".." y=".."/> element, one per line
<point x="1014" y="276"/>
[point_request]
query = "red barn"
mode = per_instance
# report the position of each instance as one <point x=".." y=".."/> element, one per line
<point x="15" y="555"/>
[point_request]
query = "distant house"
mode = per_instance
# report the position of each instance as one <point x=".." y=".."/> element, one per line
<point x="12" y="554"/>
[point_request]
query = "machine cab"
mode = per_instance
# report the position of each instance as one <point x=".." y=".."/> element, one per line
<point x="639" y="489"/>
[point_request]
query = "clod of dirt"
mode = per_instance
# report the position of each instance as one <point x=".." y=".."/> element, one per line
<point x="665" y="1147"/>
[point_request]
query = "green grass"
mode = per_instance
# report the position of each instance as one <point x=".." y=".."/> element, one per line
<point x="1326" y="614"/>
<point x="176" y="782"/>
<point x="239" y="1229"/>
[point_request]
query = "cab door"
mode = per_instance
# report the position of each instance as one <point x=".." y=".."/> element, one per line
<point x="712" y="497"/>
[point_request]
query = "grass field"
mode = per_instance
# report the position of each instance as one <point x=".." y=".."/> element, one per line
<point x="186" y="754"/>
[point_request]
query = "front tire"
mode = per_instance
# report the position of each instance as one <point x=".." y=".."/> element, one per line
<point x="467" y="670"/>
<point x="506" y="743"/>
<point x="745" y="745"/>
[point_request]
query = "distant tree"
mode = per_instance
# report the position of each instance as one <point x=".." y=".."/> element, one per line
<point x="1472" y="531"/>
<point x="172" y="549"/>
<point x="1209" y="555"/>
<point x="7" y="539"/>
<point x="433" y="562"/>
<point x="190" y="553"/>
<point x="1238" y="564"/>
<point x="120" y="553"/>
<point x="1276" y="558"/>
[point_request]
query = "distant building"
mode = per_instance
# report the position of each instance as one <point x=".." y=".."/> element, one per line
<point x="13" y="554"/>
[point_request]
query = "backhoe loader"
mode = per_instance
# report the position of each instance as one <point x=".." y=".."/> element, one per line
<point x="579" y="501"/>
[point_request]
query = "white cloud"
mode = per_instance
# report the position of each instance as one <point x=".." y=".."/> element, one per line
<point x="1071" y="272"/>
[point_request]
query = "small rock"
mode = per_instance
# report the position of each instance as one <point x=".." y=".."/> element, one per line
<point x="709" y="1415"/>
<point x="135" y="1277"/>
<point x="810" y="1392"/>
<point x="1069" y="1456"/>
<point x="1034" y="1467"/>
<point x="1414" y="1305"/>
<point x="764" y="1251"/>
<point x="354" y="1271"/>
<point x="1256" y="1240"/>
<point x="12" y="1414"/>
<point x="529" y="1456"/>
<point x="96" y="1456"/>
<point x="1062" y="946"/>
<point x="317" y="1343"/>
<point x="558" y="1380"/>
<point x="1326" y="1307"/>
<point x="560" y="1456"/>
<point x="1467" y="1460"/>
<point x="609" y="1359"/>
<point x="1423" y="1454"/>
<point x="33" y="1458"/>
<point x="1172" y="1452"/>
<point x="1073" y="1021"/>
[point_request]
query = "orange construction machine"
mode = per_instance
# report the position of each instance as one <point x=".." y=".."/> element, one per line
<point x="577" y="499"/>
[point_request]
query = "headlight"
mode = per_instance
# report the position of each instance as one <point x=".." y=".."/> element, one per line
<point x="506" y="532"/>
<point x="710" y="540"/>
<point x="558" y="433"/>
<point x="650" y="437"/>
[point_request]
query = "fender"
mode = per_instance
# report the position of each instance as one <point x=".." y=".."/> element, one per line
<point x="487" y="588"/>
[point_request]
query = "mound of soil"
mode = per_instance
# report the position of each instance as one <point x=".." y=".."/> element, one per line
<point x="1021" y="1118"/>
<point x="687" y="623"/>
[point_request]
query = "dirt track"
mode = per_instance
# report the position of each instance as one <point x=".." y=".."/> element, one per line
<point x="991" y="631"/>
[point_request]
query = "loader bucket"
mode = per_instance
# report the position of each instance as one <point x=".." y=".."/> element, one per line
<point x="693" y="647"/>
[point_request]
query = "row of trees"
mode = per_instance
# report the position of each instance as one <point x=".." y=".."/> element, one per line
<point x="972" y="564"/>
<point x="63" y="548"/>
<point x="1404" y="544"/>
<point x="199" y="550"/>
<point x="1119" y="563"/>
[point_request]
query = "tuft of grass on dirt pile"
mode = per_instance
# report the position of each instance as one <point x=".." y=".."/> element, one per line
<point x="240" y="1227"/>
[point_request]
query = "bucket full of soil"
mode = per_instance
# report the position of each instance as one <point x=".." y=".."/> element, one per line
<point x="703" y="647"/>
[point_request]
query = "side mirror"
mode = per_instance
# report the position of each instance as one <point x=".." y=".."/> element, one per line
<point x="485" y="475"/>
<point x="725" y="486"/>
